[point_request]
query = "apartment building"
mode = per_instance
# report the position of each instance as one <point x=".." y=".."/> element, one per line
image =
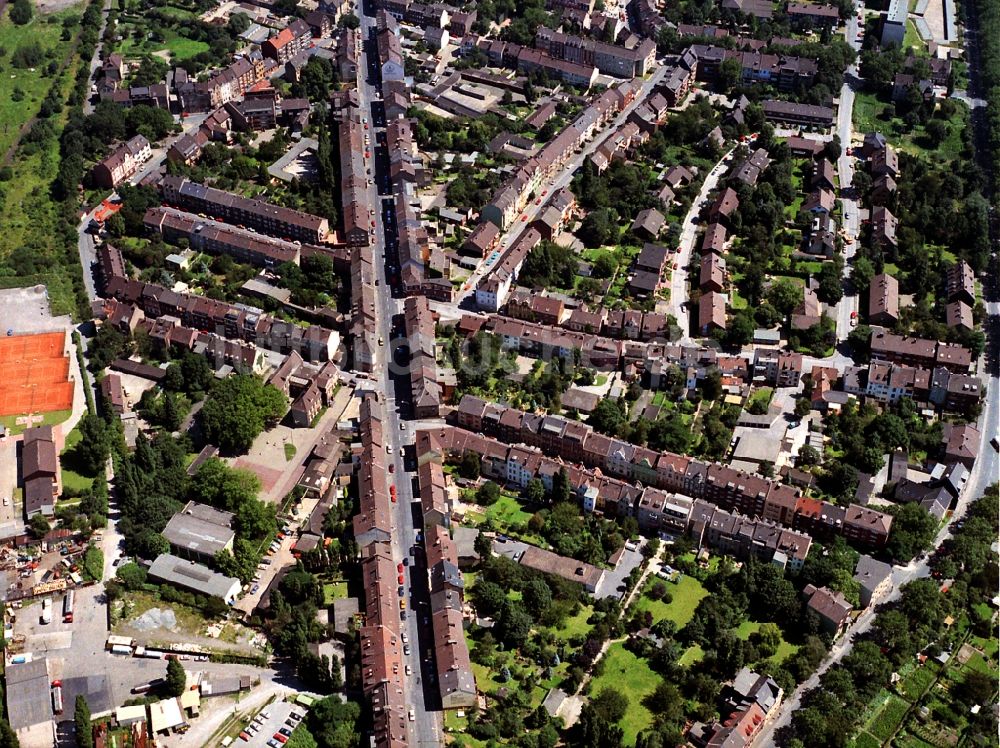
<point x="289" y="42"/>
<point x="353" y="183"/>
<point x="424" y="387"/>
<point x="262" y="216"/>
<point x="228" y="321"/>
<point x="205" y="235"/>
<point x="883" y="300"/>
<point x="798" y="115"/>
<point x="920" y="352"/>
<point x="228" y="84"/>
<point x="123" y="162"/>
<point x="610" y="59"/>
<point x="784" y="72"/>
<point x="721" y="485"/>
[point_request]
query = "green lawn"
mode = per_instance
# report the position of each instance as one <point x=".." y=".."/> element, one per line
<point x="48" y="419"/>
<point x="576" y="625"/>
<point x="74" y="481"/>
<point x="691" y="655"/>
<point x="631" y="676"/>
<point x="914" y="684"/>
<point x="869" y="114"/>
<point x="761" y="396"/>
<point x="507" y="511"/>
<point x="334" y="591"/>
<point x="34" y="84"/>
<point x="865" y="740"/>
<point x="289" y="451"/>
<point x="785" y="649"/>
<point x="686" y="593"/>
<point x="912" y="38"/>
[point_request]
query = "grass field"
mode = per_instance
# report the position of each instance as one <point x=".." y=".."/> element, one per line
<point x="73" y="482"/>
<point x="46" y="31"/>
<point x="865" y="740"/>
<point x="761" y="397"/>
<point x="575" y="625"/>
<point x="626" y="673"/>
<point x="686" y="593"/>
<point x="334" y="591"/>
<point x="29" y="219"/>
<point x="691" y="655"/>
<point x="916" y="683"/>
<point x="179" y="47"/>
<point x="870" y="114"/>
<point x="785" y="649"/>
<point x="48" y="419"/>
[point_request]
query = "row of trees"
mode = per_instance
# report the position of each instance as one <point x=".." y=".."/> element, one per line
<point x="986" y="16"/>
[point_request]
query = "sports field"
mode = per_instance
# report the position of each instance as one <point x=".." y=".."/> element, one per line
<point x="34" y="374"/>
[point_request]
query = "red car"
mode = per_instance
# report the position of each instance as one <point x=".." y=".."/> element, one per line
<point x="399" y="568"/>
<point x="279" y="737"/>
<point x="401" y="580"/>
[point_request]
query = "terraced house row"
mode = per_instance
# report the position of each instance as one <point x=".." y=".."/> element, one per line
<point x="456" y="681"/>
<point x="657" y="511"/>
<point x="230" y="321"/>
<point x="257" y="214"/>
<point x="730" y="489"/>
<point x="380" y="635"/>
<point x="511" y="198"/>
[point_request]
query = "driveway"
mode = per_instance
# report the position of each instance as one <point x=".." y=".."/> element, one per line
<point x="614" y="578"/>
<point x="689" y="230"/>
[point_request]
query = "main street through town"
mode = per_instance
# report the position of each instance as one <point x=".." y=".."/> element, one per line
<point x="392" y="385"/>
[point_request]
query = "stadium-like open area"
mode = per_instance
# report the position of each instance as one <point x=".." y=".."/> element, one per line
<point x="34" y="374"/>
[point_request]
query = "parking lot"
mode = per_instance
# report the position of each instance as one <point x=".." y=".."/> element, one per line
<point x="269" y="722"/>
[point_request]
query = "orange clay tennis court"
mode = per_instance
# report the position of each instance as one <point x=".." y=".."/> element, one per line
<point x="34" y="374"/>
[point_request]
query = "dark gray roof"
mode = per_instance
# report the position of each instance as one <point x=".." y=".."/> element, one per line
<point x="200" y="528"/>
<point x="192" y="576"/>
<point x="28" y="696"/>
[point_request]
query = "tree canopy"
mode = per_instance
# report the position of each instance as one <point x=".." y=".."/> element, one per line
<point x="239" y="409"/>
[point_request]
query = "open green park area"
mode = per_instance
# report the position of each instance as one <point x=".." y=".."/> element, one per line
<point x="686" y="593"/>
<point x="632" y="676"/>
<point x="32" y="249"/>
<point x="872" y="114"/>
<point x="25" y="80"/>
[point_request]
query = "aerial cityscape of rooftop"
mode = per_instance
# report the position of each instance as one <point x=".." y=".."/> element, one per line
<point x="586" y="373"/>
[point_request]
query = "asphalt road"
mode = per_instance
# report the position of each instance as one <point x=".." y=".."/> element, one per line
<point x="392" y="383"/>
<point x="851" y="220"/>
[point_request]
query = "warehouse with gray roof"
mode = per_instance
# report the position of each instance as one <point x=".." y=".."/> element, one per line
<point x="200" y="531"/>
<point x="194" y="577"/>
